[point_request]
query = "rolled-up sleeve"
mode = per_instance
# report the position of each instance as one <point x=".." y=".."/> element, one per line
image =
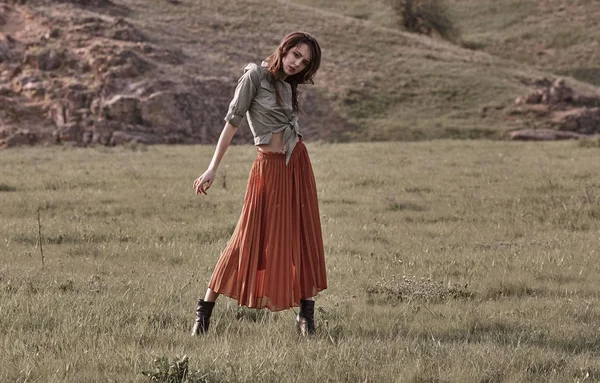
<point x="244" y="93"/>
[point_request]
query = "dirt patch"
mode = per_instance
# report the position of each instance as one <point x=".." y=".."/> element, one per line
<point x="407" y="288"/>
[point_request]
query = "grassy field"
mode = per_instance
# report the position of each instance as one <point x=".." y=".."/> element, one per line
<point x="448" y="261"/>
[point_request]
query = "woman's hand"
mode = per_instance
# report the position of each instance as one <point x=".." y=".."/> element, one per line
<point x="202" y="183"/>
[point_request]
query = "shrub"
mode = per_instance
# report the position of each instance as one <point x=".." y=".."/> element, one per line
<point x="7" y="188"/>
<point x="173" y="371"/>
<point x="428" y="17"/>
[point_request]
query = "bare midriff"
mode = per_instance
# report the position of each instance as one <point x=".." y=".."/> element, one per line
<point x="275" y="146"/>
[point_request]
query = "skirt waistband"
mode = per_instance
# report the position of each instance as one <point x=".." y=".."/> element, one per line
<point x="268" y="154"/>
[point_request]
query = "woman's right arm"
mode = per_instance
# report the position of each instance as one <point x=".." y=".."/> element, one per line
<point x="244" y="93"/>
<point x="202" y="183"/>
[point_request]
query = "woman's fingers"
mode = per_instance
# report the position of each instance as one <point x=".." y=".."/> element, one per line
<point x="203" y="183"/>
<point x="199" y="186"/>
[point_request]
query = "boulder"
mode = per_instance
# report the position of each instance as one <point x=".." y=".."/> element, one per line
<point x="70" y="132"/>
<point x="122" y="108"/>
<point x="58" y="114"/>
<point x="168" y="111"/>
<point x="5" y="90"/>
<point x="127" y="57"/>
<point x="583" y="121"/>
<point x="6" y="53"/>
<point x="127" y="70"/>
<point x="562" y="107"/>
<point x="558" y="93"/>
<point x="34" y="89"/>
<point x="124" y="31"/>
<point x="78" y="95"/>
<point x="20" y="138"/>
<point x="102" y="131"/>
<point x="24" y="79"/>
<point x="4" y="132"/>
<point x="45" y="59"/>
<point x="90" y="25"/>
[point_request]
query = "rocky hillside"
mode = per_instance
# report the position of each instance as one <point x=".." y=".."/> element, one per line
<point x="163" y="71"/>
<point x="80" y="72"/>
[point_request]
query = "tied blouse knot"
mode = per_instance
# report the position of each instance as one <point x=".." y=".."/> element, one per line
<point x="255" y="97"/>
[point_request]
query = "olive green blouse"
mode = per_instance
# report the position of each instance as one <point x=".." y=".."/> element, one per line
<point x="255" y="97"/>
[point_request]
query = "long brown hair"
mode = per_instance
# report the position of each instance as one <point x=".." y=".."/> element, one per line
<point x="275" y="63"/>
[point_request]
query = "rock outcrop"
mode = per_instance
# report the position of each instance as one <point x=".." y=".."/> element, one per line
<point x="570" y="113"/>
<point x="83" y="74"/>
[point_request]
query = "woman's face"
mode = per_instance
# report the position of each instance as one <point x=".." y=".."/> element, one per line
<point x="296" y="60"/>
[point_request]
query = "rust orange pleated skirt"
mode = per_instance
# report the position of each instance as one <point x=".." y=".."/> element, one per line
<point x="275" y="256"/>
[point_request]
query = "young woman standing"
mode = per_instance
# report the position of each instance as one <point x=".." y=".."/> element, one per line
<point x="275" y="257"/>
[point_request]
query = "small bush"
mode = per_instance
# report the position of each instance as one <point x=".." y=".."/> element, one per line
<point x="174" y="371"/>
<point x="7" y="188"/>
<point x="405" y="206"/>
<point x="428" y="17"/>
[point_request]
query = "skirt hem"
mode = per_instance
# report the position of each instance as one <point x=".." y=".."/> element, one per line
<point x="235" y="298"/>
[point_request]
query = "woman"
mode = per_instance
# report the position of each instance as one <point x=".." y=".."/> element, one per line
<point x="275" y="257"/>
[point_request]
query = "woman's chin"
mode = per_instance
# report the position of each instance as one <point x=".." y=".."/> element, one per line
<point x="288" y="72"/>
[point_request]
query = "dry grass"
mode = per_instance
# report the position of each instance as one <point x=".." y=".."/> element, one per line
<point x="552" y="35"/>
<point x="497" y="242"/>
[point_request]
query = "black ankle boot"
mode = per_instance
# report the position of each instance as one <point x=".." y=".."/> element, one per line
<point x="203" y="313"/>
<point x="305" y="321"/>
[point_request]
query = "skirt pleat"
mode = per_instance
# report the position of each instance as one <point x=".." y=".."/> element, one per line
<point x="275" y="255"/>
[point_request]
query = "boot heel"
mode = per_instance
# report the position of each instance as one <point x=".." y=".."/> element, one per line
<point x="203" y="313"/>
<point x="305" y="322"/>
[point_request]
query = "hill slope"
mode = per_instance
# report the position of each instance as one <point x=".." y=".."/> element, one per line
<point x="164" y="71"/>
<point x="389" y="84"/>
<point x="555" y="35"/>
